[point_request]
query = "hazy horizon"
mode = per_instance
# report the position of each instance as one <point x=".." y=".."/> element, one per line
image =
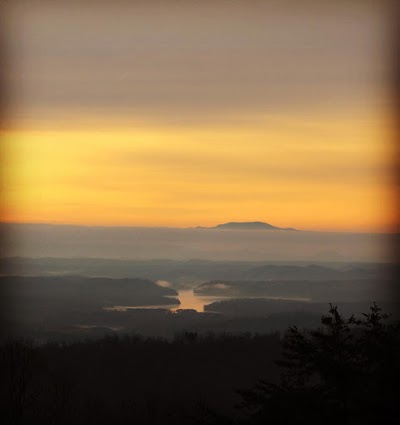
<point x="36" y="240"/>
<point x="198" y="226"/>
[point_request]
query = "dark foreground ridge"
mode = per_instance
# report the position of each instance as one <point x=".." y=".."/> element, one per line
<point x="344" y="372"/>
<point x="249" y="225"/>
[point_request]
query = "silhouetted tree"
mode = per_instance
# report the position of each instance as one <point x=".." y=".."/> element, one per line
<point x="17" y="364"/>
<point x="345" y="372"/>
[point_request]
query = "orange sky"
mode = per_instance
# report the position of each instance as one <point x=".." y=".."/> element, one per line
<point x="277" y="172"/>
<point x="163" y="123"/>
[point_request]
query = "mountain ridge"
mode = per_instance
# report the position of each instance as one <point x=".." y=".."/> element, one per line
<point x="247" y="225"/>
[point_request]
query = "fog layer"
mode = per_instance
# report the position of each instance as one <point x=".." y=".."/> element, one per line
<point x="40" y="240"/>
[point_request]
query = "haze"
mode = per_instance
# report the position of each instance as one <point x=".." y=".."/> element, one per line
<point x="34" y="240"/>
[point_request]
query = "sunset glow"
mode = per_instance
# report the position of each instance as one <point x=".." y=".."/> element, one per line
<point x="239" y="120"/>
<point x="278" y="172"/>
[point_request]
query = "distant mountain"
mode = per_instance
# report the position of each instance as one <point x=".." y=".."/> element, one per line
<point x="252" y="225"/>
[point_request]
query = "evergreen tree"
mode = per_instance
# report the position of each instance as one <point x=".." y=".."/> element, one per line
<point x="346" y="372"/>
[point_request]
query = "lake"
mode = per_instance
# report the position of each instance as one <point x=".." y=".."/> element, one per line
<point x="190" y="301"/>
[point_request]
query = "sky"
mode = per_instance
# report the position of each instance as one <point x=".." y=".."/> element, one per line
<point x="198" y="113"/>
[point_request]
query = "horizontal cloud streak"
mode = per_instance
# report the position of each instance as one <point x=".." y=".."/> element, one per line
<point x="195" y="62"/>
